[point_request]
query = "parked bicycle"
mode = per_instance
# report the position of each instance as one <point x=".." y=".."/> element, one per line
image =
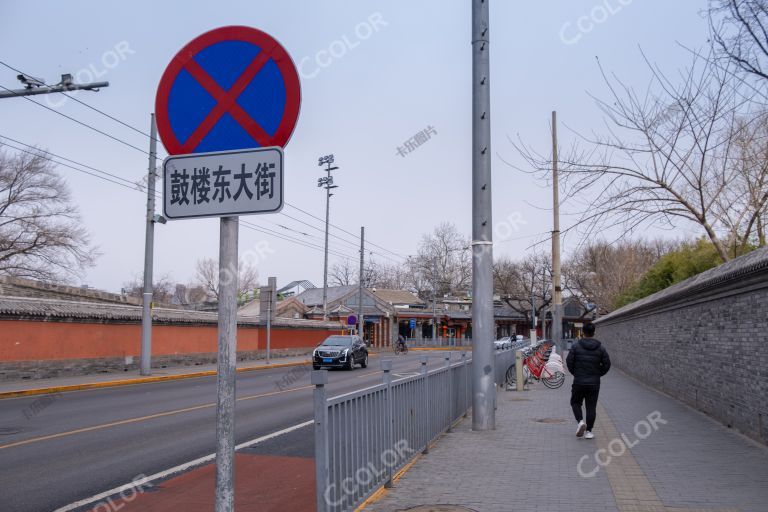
<point x="540" y="364"/>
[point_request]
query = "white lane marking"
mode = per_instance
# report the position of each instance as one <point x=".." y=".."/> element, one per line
<point x="178" y="469"/>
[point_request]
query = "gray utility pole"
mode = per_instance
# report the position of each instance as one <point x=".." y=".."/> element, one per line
<point x="434" y="300"/>
<point x="327" y="182"/>
<point x="145" y="366"/>
<point x="483" y="379"/>
<point x="533" y="309"/>
<point x="226" y="373"/>
<point x="272" y="288"/>
<point x="34" y="86"/>
<point x="360" y="322"/>
<point x="557" y="292"/>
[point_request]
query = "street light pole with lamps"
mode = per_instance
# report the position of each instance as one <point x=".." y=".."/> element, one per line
<point x="327" y="183"/>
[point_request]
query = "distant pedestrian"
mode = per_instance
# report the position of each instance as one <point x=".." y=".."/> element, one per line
<point x="587" y="361"/>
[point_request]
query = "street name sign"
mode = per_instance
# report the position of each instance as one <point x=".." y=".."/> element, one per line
<point x="226" y="106"/>
<point x="226" y="183"/>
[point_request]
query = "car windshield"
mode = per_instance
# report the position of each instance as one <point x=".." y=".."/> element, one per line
<point x="344" y="341"/>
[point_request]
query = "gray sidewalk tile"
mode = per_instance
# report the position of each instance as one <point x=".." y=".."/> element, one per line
<point x="690" y="463"/>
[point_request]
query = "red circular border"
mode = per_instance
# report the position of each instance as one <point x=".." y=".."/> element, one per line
<point x="231" y="33"/>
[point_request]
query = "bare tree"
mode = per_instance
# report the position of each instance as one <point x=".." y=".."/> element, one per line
<point x="600" y="272"/>
<point x="443" y="262"/>
<point x="666" y="158"/>
<point x="395" y="277"/>
<point x="524" y="285"/>
<point x="343" y="273"/>
<point x="41" y="233"/>
<point x="743" y="205"/>
<point x="207" y="275"/>
<point x="187" y="294"/>
<point x="162" y="288"/>
<point x="739" y="31"/>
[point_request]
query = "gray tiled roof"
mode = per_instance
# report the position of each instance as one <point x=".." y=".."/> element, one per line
<point x="397" y="296"/>
<point x="25" y="307"/>
<point x="19" y="287"/>
<point x="754" y="262"/>
<point x="314" y="297"/>
<point x="293" y="284"/>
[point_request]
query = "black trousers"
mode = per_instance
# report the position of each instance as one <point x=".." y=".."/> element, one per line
<point x="588" y="394"/>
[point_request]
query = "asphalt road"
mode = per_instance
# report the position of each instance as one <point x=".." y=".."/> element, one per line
<point x="83" y="443"/>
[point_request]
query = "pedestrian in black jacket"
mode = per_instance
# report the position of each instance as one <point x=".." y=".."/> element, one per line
<point x="587" y="361"/>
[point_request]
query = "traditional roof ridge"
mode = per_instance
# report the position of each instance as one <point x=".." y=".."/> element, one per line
<point x="750" y="263"/>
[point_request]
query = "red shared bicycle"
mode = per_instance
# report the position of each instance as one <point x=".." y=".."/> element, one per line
<point x="539" y="364"/>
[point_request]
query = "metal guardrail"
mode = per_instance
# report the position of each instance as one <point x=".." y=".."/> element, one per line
<point x="438" y="342"/>
<point x="363" y="438"/>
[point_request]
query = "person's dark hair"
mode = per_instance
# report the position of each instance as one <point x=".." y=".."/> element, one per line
<point x="589" y="329"/>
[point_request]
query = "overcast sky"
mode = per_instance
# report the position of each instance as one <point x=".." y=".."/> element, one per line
<point x="373" y="74"/>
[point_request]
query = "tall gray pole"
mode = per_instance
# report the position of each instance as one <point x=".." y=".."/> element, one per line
<point x="326" y="182"/>
<point x="434" y="301"/>
<point x="225" y="375"/>
<point x="272" y="283"/>
<point x="325" y="258"/>
<point x="557" y="312"/>
<point x="533" y="309"/>
<point x="483" y="379"/>
<point x="360" y="322"/>
<point x="145" y="366"/>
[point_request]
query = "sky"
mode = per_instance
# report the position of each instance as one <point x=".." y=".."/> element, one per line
<point x="373" y="75"/>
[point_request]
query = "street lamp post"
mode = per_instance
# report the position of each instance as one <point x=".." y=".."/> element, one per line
<point x="327" y="183"/>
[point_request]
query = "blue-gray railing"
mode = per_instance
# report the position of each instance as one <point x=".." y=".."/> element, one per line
<point x="363" y="438"/>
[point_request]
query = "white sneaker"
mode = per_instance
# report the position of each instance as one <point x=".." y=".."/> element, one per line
<point x="581" y="428"/>
<point x="589" y="435"/>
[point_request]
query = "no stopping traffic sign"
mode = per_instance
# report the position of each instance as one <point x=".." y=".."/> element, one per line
<point x="231" y="88"/>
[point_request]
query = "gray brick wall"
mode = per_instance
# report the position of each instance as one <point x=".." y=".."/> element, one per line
<point x="706" y="345"/>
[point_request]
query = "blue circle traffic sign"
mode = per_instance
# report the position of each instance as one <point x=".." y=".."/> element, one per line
<point x="230" y="88"/>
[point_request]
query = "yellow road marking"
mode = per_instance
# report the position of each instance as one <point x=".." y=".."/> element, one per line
<point x="142" y="418"/>
<point x="140" y="380"/>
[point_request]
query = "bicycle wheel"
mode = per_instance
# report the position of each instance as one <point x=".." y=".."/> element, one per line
<point x="554" y="381"/>
<point x="511" y="377"/>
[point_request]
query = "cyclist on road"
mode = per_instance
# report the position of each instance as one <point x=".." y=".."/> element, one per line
<point x="401" y="346"/>
<point x="587" y="361"/>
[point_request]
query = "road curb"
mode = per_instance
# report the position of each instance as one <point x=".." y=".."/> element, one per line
<point x="143" y="380"/>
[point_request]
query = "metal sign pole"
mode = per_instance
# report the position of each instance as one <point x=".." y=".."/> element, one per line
<point x="225" y="376"/>
<point x="483" y="379"/>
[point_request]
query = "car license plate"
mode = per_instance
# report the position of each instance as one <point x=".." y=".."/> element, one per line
<point x="327" y="360"/>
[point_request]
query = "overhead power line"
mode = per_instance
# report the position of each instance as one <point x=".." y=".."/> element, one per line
<point x="354" y="236"/>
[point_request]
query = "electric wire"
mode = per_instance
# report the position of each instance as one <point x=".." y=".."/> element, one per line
<point x="357" y="237"/>
<point x="132" y="186"/>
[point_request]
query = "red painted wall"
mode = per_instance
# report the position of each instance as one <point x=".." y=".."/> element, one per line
<point x="23" y="340"/>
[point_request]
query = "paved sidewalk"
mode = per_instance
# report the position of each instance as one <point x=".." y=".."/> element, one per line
<point x="123" y="378"/>
<point x="679" y="460"/>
